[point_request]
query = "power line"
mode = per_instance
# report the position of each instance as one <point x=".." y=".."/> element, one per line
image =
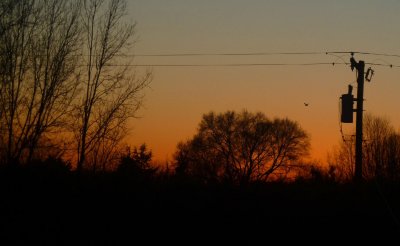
<point x="363" y="53"/>
<point x="226" y="65"/>
<point x="377" y="54"/>
<point x="383" y="65"/>
<point x="246" y="64"/>
<point x="250" y="54"/>
<point x="333" y="53"/>
<point x="213" y="54"/>
<point x="232" y="54"/>
<point x="265" y="54"/>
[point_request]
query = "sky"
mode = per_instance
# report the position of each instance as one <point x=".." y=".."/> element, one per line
<point x="179" y="96"/>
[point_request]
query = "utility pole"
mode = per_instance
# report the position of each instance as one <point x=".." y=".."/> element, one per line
<point x="348" y="110"/>
<point x="360" y="66"/>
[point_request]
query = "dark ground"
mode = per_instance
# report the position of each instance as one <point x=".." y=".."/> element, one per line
<point x="62" y="208"/>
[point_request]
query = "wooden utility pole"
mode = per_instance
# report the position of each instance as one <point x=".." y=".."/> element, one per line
<point x="360" y="66"/>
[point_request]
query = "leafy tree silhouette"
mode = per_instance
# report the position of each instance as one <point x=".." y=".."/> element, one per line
<point x="240" y="148"/>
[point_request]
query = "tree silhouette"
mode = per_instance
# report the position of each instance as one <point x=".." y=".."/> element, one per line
<point x="241" y="147"/>
<point x="38" y="61"/>
<point x="382" y="149"/>
<point x="137" y="162"/>
<point x="110" y="96"/>
<point x="381" y="152"/>
<point x="57" y="87"/>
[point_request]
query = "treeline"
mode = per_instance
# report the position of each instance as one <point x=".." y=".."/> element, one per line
<point x="243" y="148"/>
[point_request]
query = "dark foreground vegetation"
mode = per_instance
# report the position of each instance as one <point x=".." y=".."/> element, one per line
<point x="48" y="204"/>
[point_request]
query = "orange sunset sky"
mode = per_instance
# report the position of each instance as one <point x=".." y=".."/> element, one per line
<point x="178" y="96"/>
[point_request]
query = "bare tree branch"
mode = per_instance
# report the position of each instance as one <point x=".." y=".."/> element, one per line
<point x="110" y="96"/>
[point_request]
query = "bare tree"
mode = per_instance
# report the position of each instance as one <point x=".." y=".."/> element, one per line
<point x="342" y="159"/>
<point x="42" y="91"/>
<point x="376" y="133"/>
<point x="55" y="51"/>
<point x="288" y="143"/>
<point x="18" y="22"/>
<point x="38" y="61"/>
<point x="111" y="93"/>
<point x="381" y="151"/>
<point x="392" y="169"/>
<point x="241" y="147"/>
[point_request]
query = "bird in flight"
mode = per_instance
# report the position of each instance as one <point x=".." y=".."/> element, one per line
<point x="306" y="104"/>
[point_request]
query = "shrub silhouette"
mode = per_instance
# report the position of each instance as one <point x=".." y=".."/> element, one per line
<point x="137" y="163"/>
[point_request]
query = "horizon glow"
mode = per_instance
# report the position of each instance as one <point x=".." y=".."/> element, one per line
<point x="179" y="96"/>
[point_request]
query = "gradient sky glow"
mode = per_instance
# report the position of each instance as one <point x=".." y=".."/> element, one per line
<point x="180" y="95"/>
